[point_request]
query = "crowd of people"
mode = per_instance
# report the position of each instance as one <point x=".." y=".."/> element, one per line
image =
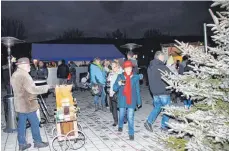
<point x="124" y="94"/>
<point x="113" y="83"/>
<point x="121" y="84"/>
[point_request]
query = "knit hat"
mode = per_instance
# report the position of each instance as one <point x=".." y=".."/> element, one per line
<point x="127" y="63"/>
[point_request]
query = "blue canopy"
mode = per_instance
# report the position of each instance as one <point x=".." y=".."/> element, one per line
<point x="74" y="52"/>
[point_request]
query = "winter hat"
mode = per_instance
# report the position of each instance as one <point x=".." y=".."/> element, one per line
<point x="23" y="60"/>
<point x="127" y="63"/>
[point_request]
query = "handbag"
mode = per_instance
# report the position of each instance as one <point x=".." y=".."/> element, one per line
<point x="96" y="89"/>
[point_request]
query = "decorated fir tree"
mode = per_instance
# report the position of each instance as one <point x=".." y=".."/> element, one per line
<point x="204" y="127"/>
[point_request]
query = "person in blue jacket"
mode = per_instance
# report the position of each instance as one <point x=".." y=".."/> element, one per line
<point x="127" y="86"/>
<point x="98" y="77"/>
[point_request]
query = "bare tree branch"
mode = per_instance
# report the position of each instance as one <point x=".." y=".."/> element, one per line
<point x="71" y="34"/>
<point x="152" y="33"/>
<point x="13" y="27"/>
<point x="117" y="34"/>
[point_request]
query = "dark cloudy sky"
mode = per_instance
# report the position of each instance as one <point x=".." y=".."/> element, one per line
<point x="46" y="20"/>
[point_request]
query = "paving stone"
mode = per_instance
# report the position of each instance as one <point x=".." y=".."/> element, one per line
<point x="97" y="126"/>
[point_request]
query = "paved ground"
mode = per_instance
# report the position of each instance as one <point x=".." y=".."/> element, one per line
<point x="97" y="126"/>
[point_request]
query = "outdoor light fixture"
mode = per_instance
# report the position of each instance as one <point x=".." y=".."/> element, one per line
<point x="131" y="46"/>
<point x="10" y="115"/>
<point x="9" y="42"/>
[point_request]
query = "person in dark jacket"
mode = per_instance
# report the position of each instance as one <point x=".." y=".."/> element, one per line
<point x="161" y="96"/>
<point x="33" y="69"/>
<point x="42" y="72"/>
<point x="130" y="56"/>
<point x="185" y="68"/>
<point x="62" y="73"/>
<point x="72" y="70"/>
<point x="182" y="65"/>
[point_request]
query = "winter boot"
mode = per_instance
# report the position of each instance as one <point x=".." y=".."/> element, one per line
<point x="41" y="145"/>
<point x="96" y="107"/>
<point x="120" y="129"/>
<point x="115" y="123"/>
<point x="148" y="126"/>
<point x="103" y="108"/>
<point x="24" y="147"/>
<point x="131" y="137"/>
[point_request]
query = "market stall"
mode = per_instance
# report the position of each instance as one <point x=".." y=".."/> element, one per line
<point x="73" y="52"/>
<point x="171" y="50"/>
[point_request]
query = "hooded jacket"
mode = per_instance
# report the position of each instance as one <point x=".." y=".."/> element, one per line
<point x="97" y="74"/>
<point x="157" y="85"/>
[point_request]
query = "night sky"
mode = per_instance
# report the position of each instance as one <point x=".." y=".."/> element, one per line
<point x="46" y="20"/>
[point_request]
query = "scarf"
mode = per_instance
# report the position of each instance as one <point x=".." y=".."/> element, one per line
<point x="99" y="65"/>
<point x="127" y="89"/>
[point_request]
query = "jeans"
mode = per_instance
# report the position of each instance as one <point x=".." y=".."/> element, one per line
<point x="103" y="97"/>
<point x="188" y="103"/>
<point x="34" y="121"/>
<point x="130" y="117"/>
<point x="159" y="101"/>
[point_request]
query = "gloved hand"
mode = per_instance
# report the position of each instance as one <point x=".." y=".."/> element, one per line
<point x="120" y="83"/>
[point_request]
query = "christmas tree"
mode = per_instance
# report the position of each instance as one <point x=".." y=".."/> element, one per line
<point x="204" y="127"/>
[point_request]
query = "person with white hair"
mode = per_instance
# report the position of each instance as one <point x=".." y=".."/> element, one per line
<point x="26" y="105"/>
<point x="161" y="96"/>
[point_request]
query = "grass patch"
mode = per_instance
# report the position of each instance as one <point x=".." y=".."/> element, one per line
<point x="177" y="144"/>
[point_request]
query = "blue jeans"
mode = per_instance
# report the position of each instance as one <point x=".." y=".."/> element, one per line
<point x="103" y="97"/>
<point x="130" y="118"/>
<point x="34" y="121"/>
<point x="159" y="101"/>
<point x="188" y="103"/>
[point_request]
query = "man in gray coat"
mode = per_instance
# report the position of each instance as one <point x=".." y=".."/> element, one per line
<point x="26" y="105"/>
